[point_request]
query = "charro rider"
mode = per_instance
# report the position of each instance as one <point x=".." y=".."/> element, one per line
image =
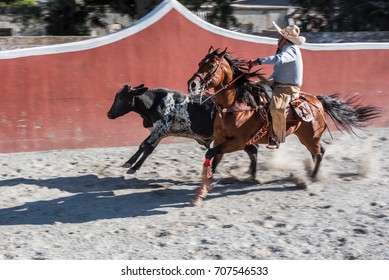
<point x="287" y="77"/>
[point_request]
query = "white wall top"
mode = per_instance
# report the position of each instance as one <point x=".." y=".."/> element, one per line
<point x="159" y="12"/>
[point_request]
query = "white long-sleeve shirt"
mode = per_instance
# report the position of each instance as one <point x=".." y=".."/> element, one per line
<point x="288" y="65"/>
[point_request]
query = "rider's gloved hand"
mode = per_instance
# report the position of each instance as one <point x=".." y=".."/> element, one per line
<point x="254" y="62"/>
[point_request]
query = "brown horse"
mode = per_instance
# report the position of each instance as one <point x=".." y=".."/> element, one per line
<point x="243" y="115"/>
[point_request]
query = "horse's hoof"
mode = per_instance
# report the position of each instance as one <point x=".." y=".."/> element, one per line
<point x="300" y="182"/>
<point x="196" y="201"/>
<point x="131" y="171"/>
<point x="127" y="165"/>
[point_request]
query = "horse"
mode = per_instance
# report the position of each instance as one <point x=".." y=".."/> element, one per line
<point x="243" y="112"/>
<point x="167" y="112"/>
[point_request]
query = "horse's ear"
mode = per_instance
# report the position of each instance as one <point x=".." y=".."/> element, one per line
<point x="211" y="49"/>
<point x="223" y="52"/>
<point x="127" y="88"/>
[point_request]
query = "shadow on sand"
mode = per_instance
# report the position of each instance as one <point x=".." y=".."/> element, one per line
<point x="90" y="198"/>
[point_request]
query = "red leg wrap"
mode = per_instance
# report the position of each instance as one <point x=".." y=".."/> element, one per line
<point x="207" y="162"/>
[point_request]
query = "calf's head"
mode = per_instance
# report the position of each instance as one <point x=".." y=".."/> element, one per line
<point x="125" y="100"/>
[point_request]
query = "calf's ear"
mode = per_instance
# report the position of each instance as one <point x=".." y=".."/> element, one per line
<point x="140" y="86"/>
<point x="142" y="90"/>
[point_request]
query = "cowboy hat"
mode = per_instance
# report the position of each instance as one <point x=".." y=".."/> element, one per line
<point x="291" y="33"/>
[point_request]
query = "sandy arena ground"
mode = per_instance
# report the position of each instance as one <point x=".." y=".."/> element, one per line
<point x="80" y="204"/>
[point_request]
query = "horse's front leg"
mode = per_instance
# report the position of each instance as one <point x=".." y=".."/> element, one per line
<point x="206" y="175"/>
<point x="215" y="162"/>
<point x="252" y="152"/>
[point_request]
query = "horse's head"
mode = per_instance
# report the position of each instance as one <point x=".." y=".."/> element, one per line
<point x="125" y="100"/>
<point x="211" y="72"/>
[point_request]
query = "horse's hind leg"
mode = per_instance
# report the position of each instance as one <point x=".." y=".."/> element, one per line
<point x="312" y="143"/>
<point x="252" y="151"/>
<point x="317" y="152"/>
<point x="317" y="159"/>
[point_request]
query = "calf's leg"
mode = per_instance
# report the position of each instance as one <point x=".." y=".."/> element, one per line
<point x="142" y="148"/>
<point x="148" y="149"/>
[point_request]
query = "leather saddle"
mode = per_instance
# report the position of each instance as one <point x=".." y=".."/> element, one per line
<point x="300" y="105"/>
<point x="302" y="109"/>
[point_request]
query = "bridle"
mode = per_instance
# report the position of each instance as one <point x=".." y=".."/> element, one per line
<point x="209" y="77"/>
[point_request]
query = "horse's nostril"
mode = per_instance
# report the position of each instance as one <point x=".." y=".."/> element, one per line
<point x="193" y="85"/>
<point x="109" y="115"/>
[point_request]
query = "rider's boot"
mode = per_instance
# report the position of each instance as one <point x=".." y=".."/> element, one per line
<point x="273" y="143"/>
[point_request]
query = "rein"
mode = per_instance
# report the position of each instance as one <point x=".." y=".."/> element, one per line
<point x="210" y="79"/>
<point x="219" y="90"/>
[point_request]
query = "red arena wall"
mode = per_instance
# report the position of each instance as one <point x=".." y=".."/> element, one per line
<point x="57" y="97"/>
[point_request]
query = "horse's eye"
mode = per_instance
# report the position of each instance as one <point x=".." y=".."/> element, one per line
<point x="212" y="65"/>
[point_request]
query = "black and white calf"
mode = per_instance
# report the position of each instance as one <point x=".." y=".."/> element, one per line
<point x="167" y="112"/>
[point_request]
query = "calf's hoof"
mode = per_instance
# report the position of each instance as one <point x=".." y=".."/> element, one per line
<point x="131" y="171"/>
<point x="127" y="165"/>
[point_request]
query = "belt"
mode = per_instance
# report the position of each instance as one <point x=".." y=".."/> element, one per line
<point x="285" y="85"/>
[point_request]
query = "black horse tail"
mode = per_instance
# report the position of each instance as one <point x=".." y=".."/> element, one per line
<point x="348" y="114"/>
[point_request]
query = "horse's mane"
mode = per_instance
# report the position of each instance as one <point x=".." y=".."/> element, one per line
<point x="246" y="88"/>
